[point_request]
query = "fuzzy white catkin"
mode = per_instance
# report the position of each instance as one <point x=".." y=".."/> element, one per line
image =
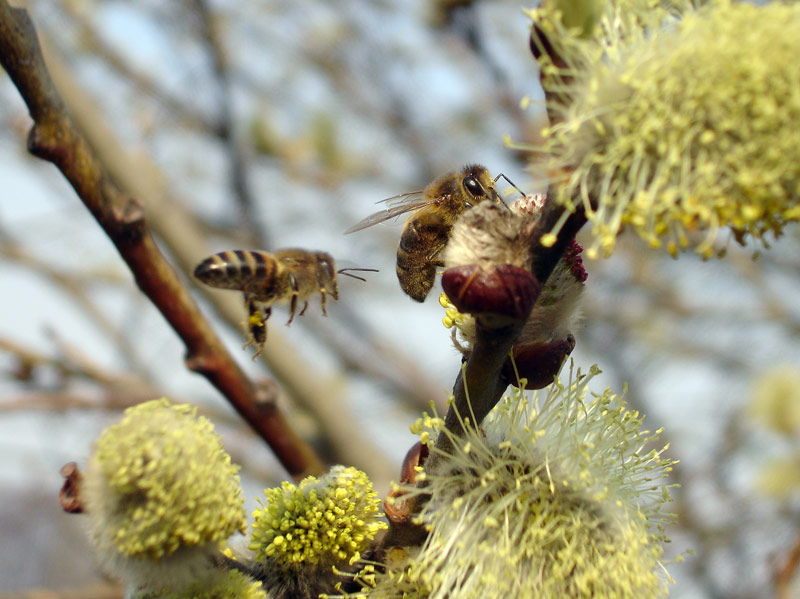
<point x="490" y="235"/>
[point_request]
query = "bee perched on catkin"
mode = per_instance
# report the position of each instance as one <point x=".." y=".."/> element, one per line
<point x="434" y="210"/>
<point x="289" y="275"/>
<point x="487" y="262"/>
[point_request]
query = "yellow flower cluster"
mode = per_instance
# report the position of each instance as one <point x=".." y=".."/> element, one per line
<point x="230" y="584"/>
<point x="682" y="128"/>
<point x="462" y="325"/>
<point x="160" y="480"/>
<point x="321" y="521"/>
<point x="553" y="498"/>
<point x="427" y="427"/>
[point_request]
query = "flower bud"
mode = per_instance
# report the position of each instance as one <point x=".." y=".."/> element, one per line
<point x="161" y="494"/>
<point x="397" y="509"/>
<point x="505" y="290"/>
<point x="537" y="364"/>
<point x="303" y="533"/>
<point x="674" y="147"/>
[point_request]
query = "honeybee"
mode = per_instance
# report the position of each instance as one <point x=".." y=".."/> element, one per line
<point x="288" y="275"/>
<point x="426" y="231"/>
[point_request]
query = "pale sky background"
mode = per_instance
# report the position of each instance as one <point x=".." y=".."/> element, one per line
<point x="690" y="356"/>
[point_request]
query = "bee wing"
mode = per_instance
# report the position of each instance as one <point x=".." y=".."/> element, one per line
<point x="402" y="199"/>
<point x="401" y="204"/>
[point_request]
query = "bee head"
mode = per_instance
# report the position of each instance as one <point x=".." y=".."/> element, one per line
<point x="478" y="184"/>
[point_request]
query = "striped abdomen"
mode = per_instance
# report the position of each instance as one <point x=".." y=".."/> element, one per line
<point x="418" y="255"/>
<point x="242" y="270"/>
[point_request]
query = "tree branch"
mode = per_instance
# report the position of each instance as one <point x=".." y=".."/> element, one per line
<point x="53" y="137"/>
<point x="95" y="590"/>
<point x="178" y="229"/>
<point x="237" y="160"/>
<point x="192" y="118"/>
<point x="479" y="386"/>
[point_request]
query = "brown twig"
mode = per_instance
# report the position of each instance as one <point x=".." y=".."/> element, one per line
<point x="67" y="366"/>
<point x="53" y="137"/>
<point x="145" y="84"/>
<point x="60" y="401"/>
<point x="785" y="571"/>
<point x="111" y="390"/>
<point x="178" y="228"/>
<point x="74" y="287"/>
<point x="237" y="162"/>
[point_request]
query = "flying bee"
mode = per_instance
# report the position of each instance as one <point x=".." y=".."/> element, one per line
<point x="287" y="275"/>
<point x="435" y="210"/>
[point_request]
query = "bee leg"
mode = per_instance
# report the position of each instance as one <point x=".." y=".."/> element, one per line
<point x="293" y="302"/>
<point x="258" y="337"/>
<point x="322" y="301"/>
<point x="303" y="311"/>
<point x="257" y="326"/>
<point x="433" y="257"/>
<point x="292" y="308"/>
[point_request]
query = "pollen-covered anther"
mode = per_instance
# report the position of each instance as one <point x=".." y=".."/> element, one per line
<point x="505" y="290"/>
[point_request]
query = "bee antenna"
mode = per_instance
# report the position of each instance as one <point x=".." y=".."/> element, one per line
<point x="510" y="182"/>
<point x="343" y="271"/>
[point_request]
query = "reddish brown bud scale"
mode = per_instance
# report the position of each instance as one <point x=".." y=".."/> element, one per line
<point x="415" y="458"/>
<point x="69" y="495"/>
<point x="538" y="363"/>
<point x="398" y="510"/>
<point x="506" y="289"/>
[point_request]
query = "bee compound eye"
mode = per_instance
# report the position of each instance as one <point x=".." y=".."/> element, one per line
<point x="473" y="186"/>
